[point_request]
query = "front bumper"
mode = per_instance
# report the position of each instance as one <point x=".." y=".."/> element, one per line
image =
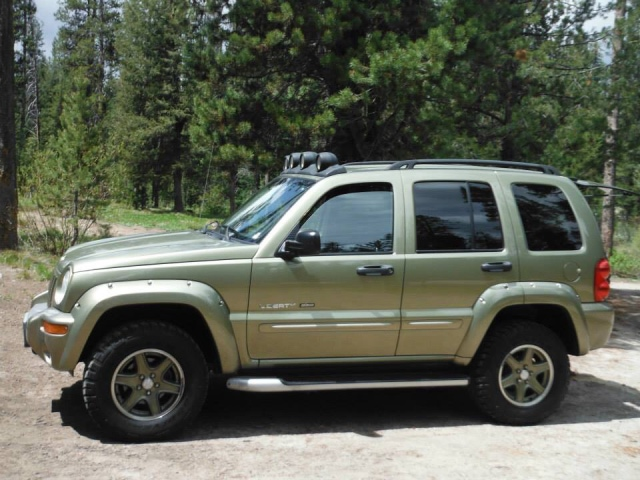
<point x="47" y="346"/>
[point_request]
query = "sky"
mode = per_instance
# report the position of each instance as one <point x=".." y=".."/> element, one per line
<point x="47" y="8"/>
<point x="44" y="13"/>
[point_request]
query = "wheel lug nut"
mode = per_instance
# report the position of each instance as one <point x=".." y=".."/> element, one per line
<point x="138" y="387"/>
<point x="148" y="393"/>
<point x="157" y="385"/>
<point x="153" y="375"/>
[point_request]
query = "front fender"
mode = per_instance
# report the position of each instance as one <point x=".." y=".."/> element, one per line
<point x="100" y="299"/>
<point x="501" y="296"/>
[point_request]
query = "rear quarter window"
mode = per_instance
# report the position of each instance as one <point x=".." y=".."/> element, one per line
<point x="547" y="218"/>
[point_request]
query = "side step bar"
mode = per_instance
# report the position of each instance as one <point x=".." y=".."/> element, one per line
<point x="270" y="385"/>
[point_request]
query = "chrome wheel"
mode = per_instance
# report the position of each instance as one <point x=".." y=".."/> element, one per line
<point x="147" y="384"/>
<point x="526" y="376"/>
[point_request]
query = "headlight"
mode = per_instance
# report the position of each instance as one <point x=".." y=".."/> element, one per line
<point x="60" y="290"/>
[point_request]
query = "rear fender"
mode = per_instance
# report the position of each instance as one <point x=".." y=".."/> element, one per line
<point x="498" y="297"/>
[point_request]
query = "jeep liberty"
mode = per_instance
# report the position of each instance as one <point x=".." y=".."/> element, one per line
<point x="415" y="273"/>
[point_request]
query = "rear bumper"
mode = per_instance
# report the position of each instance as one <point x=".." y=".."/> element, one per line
<point x="599" y="319"/>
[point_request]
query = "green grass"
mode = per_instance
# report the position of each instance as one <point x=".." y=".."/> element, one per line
<point x="625" y="261"/>
<point x="152" y="218"/>
<point x="33" y="265"/>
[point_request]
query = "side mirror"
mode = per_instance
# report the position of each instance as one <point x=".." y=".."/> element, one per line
<point x="307" y="242"/>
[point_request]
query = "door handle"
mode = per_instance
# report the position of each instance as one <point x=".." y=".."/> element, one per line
<point x="375" y="270"/>
<point x="497" y="267"/>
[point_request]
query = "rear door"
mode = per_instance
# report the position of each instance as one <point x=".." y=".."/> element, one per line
<point x="457" y="246"/>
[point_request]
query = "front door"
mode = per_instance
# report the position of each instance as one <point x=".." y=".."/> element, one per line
<point x="343" y="302"/>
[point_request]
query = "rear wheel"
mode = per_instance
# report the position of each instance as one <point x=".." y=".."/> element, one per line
<point x="145" y="381"/>
<point x="520" y="374"/>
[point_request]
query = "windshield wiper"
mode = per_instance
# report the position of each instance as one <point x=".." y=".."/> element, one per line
<point x="224" y="231"/>
<point x="230" y="233"/>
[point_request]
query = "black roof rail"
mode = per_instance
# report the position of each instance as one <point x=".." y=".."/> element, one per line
<point x="538" y="167"/>
<point x="375" y="163"/>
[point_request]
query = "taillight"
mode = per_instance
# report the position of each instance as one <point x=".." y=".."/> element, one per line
<point x="601" y="285"/>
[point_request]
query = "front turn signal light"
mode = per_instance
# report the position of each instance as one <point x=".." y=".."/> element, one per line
<point x="55" y="328"/>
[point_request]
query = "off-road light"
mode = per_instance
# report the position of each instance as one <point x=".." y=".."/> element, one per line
<point x="307" y="159"/>
<point x="294" y="160"/>
<point x="326" y="160"/>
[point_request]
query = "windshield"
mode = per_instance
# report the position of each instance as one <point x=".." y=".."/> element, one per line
<point x="258" y="216"/>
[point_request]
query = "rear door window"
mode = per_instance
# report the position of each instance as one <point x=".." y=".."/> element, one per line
<point x="456" y="216"/>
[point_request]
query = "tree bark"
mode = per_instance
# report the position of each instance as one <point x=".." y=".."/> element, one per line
<point x="609" y="173"/>
<point x="231" y="189"/>
<point x="178" y="197"/>
<point x="8" y="163"/>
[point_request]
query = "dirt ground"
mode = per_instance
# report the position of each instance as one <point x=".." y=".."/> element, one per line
<point x="417" y="433"/>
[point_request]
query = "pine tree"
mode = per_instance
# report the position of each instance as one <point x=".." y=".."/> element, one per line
<point x="623" y="144"/>
<point x="505" y="79"/>
<point x="152" y="96"/>
<point x="86" y="43"/>
<point x="68" y="172"/>
<point x="29" y="58"/>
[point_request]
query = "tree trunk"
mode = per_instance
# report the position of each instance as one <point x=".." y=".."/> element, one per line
<point x="609" y="178"/>
<point x="178" y="197"/>
<point x="609" y="173"/>
<point x="155" y="191"/>
<point x="22" y="132"/>
<point x="231" y="191"/>
<point x="8" y="164"/>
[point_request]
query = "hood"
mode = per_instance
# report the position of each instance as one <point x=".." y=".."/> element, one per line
<point x="154" y="249"/>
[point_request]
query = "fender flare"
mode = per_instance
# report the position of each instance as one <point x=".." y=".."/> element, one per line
<point x="498" y="297"/>
<point x="97" y="301"/>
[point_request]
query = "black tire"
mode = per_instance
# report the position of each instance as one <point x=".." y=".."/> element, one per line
<point x="145" y="381"/>
<point x="520" y="374"/>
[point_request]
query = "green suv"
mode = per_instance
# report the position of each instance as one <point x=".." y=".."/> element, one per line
<point x="417" y="273"/>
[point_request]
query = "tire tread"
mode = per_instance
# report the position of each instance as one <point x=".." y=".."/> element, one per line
<point x="485" y="394"/>
<point x="127" y="429"/>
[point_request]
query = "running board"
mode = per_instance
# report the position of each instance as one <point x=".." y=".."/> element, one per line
<point x="270" y="385"/>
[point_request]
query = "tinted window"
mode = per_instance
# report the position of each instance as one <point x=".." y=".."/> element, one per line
<point x="354" y="219"/>
<point x="548" y="220"/>
<point x="456" y="216"/>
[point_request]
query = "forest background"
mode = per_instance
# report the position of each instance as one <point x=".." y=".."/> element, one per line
<point x="192" y="104"/>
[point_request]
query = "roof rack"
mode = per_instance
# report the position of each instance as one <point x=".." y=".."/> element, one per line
<point x="409" y="164"/>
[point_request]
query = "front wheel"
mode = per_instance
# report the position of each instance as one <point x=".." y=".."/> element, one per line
<point x="520" y="374"/>
<point x="145" y="381"/>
